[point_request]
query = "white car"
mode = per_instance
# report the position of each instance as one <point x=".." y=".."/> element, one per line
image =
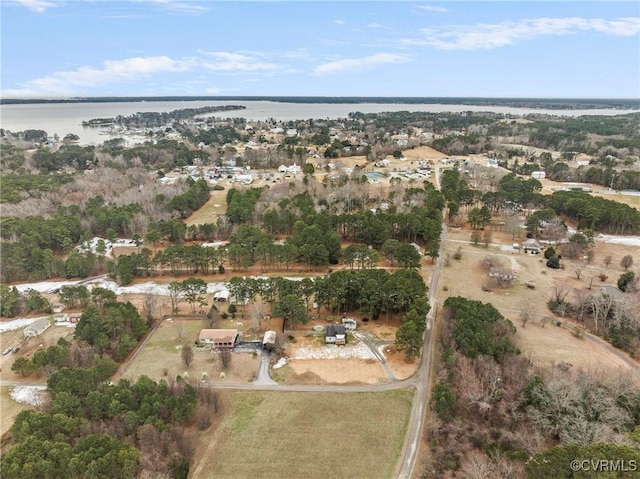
<point x="6" y="351"/>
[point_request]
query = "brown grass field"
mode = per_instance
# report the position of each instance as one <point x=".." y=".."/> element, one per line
<point x="545" y="343"/>
<point x="9" y="410"/>
<point x="302" y="435"/>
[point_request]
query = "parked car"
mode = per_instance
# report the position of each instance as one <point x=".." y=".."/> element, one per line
<point x="6" y="351"/>
<point x="15" y="350"/>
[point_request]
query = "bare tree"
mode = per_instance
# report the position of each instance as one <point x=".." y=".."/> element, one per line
<point x="626" y="261"/>
<point x="579" y="268"/>
<point x="582" y="301"/>
<point x="179" y="325"/>
<point x="149" y="308"/>
<point x="526" y="311"/>
<point x="478" y="466"/>
<point x="187" y="355"/>
<point x="607" y="260"/>
<point x="225" y="357"/>
<point x="559" y="292"/>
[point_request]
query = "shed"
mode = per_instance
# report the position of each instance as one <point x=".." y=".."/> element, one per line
<point x="218" y="338"/>
<point x="269" y="340"/>
<point x="36" y="328"/>
<point x="222" y="296"/>
<point x="349" y="323"/>
<point x="60" y="318"/>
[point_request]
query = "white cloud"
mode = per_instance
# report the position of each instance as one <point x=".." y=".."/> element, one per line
<point x="432" y="8"/>
<point x="235" y="62"/>
<point x="36" y="5"/>
<point x="359" y="63"/>
<point x="113" y="71"/>
<point x="178" y="7"/>
<point x="375" y="25"/>
<point x="487" y="36"/>
<point x="339" y="22"/>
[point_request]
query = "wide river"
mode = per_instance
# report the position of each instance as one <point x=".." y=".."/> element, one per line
<point x="65" y="118"/>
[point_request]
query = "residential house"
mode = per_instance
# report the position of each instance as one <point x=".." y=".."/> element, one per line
<point x="335" y="334"/>
<point x="60" y="318"/>
<point x="531" y="246"/>
<point x="539" y="175"/>
<point x="218" y="338"/>
<point x="36" y="328"/>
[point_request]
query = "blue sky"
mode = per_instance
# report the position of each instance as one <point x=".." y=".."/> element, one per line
<point x="574" y="49"/>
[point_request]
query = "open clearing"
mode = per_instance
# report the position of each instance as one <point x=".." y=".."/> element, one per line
<point x="9" y="410"/>
<point x="161" y="357"/>
<point x="545" y="345"/>
<point x="302" y="435"/>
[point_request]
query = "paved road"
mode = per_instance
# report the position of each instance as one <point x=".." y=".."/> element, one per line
<point x="264" y="376"/>
<point x="422" y="379"/>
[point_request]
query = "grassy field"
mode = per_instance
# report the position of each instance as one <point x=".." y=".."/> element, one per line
<point x="161" y="357"/>
<point x="304" y="435"/>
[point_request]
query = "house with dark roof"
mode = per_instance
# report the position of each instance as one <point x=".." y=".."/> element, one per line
<point x="336" y="334"/>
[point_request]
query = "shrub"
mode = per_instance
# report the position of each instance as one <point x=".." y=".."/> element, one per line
<point x="625" y="280"/>
<point x="553" y="262"/>
<point x="218" y="187"/>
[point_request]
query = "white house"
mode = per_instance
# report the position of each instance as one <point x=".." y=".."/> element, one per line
<point x="36" y="328"/>
<point x="335" y="334"/>
<point x="539" y="175"/>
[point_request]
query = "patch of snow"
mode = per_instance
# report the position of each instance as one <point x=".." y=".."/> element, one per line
<point x="32" y="395"/>
<point x="330" y="351"/>
<point x="17" y="324"/>
<point x="149" y="287"/>
<point x="282" y="362"/>
<point x="45" y="286"/>
<point x="66" y="324"/>
<point x="622" y="240"/>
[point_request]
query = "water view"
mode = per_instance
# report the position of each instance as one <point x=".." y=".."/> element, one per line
<point x="65" y="118"/>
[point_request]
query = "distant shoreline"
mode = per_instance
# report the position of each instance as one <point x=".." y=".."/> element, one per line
<point x="544" y="103"/>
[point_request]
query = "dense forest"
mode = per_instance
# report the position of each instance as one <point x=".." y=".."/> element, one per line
<point x="498" y="415"/>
